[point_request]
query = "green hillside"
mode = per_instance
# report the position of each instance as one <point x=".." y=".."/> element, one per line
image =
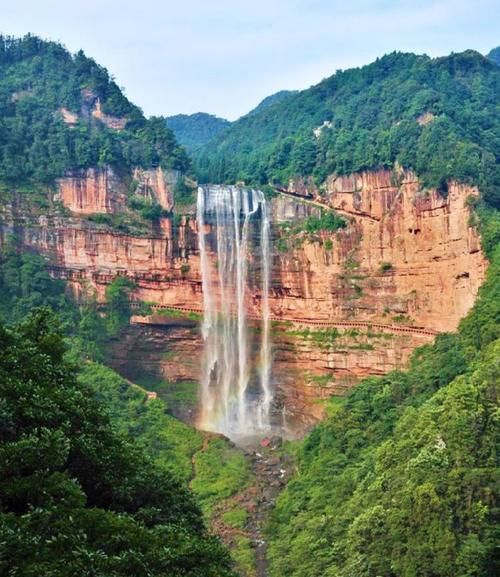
<point x="196" y="130"/>
<point x="272" y="99"/>
<point x="437" y="116"/>
<point x="97" y="479"/>
<point x="78" y="497"/>
<point x="402" y="478"/>
<point x="49" y="117"/>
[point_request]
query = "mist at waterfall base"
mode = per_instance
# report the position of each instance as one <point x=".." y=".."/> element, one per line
<point x="234" y="244"/>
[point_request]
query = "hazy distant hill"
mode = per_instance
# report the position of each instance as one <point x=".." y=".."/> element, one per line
<point x="494" y="55"/>
<point x="194" y="130"/>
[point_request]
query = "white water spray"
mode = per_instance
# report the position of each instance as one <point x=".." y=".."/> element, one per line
<point x="235" y="398"/>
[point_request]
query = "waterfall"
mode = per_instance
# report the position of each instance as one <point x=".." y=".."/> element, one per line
<point x="236" y="397"/>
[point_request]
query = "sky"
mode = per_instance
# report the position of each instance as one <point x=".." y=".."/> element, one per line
<point x="225" y="56"/>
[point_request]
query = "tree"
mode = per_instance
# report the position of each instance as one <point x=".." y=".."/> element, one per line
<point x="117" y="303"/>
<point x="77" y="498"/>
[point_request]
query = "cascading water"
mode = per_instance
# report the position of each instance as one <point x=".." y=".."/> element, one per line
<point x="235" y="398"/>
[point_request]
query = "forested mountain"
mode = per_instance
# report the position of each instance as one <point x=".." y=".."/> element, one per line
<point x="78" y="498"/>
<point x="194" y="130"/>
<point x="60" y="112"/>
<point x="401" y="478"/>
<point x="438" y="116"/>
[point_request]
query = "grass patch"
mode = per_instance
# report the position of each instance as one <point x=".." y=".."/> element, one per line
<point x="322" y="338"/>
<point x="402" y="320"/>
<point x="361" y="347"/>
<point x="175" y="314"/>
<point x="244" y="556"/>
<point x="236" y="517"/>
<point x="221" y="470"/>
<point x="321" y="380"/>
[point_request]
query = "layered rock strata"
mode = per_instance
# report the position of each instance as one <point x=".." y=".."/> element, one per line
<point x="408" y="257"/>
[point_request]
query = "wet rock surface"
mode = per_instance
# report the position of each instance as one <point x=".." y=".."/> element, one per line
<point x="272" y="472"/>
<point x="272" y="468"/>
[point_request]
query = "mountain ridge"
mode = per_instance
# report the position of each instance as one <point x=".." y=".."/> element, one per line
<point x="200" y="128"/>
<point x="494" y="55"/>
<point x="61" y="112"/>
<point x="393" y="110"/>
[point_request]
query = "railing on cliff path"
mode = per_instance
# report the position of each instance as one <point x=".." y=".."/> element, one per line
<point x="105" y="278"/>
<point x="304" y="321"/>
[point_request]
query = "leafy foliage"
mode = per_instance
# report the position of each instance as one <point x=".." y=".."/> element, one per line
<point x="312" y="228"/>
<point x="25" y="284"/>
<point x="439" y="117"/>
<point x="118" y="303"/>
<point x="272" y="99"/>
<point x="215" y="469"/>
<point x="220" y="472"/>
<point x="184" y="193"/>
<point x="76" y="497"/>
<point x="148" y="209"/>
<point x="327" y="221"/>
<point x="172" y="446"/>
<point x="164" y="439"/>
<point x="196" y="130"/>
<point x="40" y="83"/>
<point x="400" y="479"/>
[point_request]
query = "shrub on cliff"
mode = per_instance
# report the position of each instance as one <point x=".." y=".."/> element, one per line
<point x="25" y="283"/>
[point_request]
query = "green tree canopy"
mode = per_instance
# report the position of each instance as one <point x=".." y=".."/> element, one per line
<point x="76" y="498"/>
<point x="401" y="479"/>
<point x="437" y="116"/>
<point x="40" y="83"/>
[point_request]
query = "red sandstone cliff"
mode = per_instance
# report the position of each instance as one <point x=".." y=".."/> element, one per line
<point x="407" y="257"/>
<point x="95" y="191"/>
<point x="407" y="253"/>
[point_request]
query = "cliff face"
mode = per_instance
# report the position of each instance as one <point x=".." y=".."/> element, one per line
<point x="95" y="191"/>
<point x="162" y="354"/>
<point x="408" y="258"/>
<point x="309" y="363"/>
<point x="92" y="191"/>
